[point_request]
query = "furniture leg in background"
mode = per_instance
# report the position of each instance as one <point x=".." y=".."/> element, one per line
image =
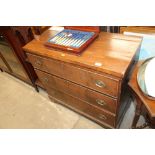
<point x="144" y="105"/>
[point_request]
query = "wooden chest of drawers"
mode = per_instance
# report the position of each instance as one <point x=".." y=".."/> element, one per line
<point x="92" y="84"/>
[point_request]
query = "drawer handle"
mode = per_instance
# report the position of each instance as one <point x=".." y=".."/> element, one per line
<point x="101" y="102"/>
<point x="103" y="117"/>
<point x="45" y="80"/>
<point x="38" y="63"/>
<point x="100" y="84"/>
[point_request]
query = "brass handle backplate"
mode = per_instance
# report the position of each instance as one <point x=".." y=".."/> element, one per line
<point x="103" y="117"/>
<point x="100" y="84"/>
<point x="101" y="102"/>
<point x="45" y="80"/>
<point x="38" y="63"/>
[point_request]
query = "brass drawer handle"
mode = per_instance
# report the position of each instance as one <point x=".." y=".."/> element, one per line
<point x="38" y="63"/>
<point x="100" y="84"/>
<point x="45" y="80"/>
<point x="103" y="117"/>
<point x="101" y="102"/>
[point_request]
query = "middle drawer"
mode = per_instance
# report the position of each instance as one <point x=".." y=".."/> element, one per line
<point x="88" y="95"/>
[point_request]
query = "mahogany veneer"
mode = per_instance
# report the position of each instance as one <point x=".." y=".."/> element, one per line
<point x="92" y="84"/>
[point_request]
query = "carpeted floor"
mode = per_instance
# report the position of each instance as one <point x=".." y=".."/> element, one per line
<point x="22" y="107"/>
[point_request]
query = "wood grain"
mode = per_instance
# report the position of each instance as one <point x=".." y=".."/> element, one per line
<point x="149" y="104"/>
<point x="76" y="74"/>
<point x="112" y="51"/>
<point x="79" y="105"/>
<point x="100" y="74"/>
<point x="83" y="93"/>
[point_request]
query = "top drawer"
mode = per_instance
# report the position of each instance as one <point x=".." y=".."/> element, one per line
<point x="95" y="81"/>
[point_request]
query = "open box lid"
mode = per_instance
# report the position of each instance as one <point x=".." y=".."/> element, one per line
<point x="95" y="29"/>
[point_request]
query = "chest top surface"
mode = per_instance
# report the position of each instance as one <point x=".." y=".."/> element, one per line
<point x="109" y="53"/>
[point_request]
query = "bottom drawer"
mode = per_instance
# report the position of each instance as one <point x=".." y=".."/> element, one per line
<point x="86" y="109"/>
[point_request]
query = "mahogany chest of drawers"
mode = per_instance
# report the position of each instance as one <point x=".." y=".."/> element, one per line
<point x="93" y="83"/>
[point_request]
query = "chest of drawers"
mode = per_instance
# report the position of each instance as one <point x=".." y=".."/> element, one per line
<point x="92" y="84"/>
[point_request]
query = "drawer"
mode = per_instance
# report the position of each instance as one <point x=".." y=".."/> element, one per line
<point x="104" y="84"/>
<point x="51" y="82"/>
<point x="45" y="64"/>
<point x="92" y="80"/>
<point x="84" y="108"/>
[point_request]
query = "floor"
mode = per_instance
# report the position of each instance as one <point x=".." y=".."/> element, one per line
<point x="22" y="107"/>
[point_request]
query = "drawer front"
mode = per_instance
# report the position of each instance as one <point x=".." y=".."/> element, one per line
<point x="51" y="82"/>
<point x="44" y="64"/>
<point x="85" y="108"/>
<point x="98" y="82"/>
<point x="91" y="80"/>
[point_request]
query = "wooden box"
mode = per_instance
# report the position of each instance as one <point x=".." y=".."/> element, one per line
<point x="73" y="39"/>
